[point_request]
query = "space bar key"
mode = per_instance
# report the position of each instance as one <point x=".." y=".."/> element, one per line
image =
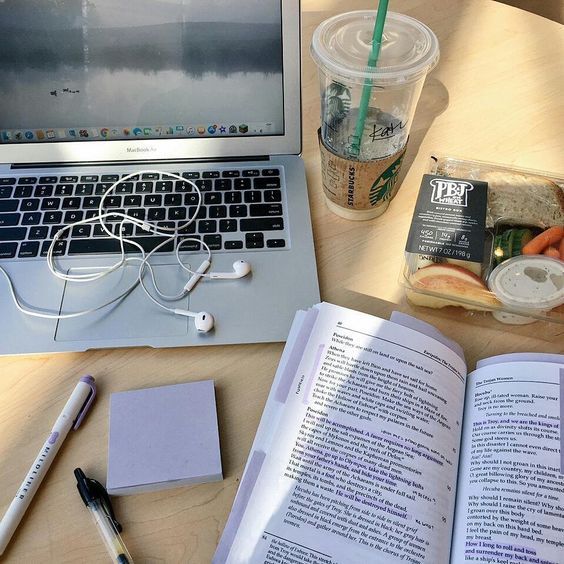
<point x="101" y="246"/>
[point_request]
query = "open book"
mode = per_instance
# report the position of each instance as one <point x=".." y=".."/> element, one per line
<point x="356" y="459"/>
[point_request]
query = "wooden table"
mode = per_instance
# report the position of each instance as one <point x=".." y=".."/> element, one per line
<point x="496" y="96"/>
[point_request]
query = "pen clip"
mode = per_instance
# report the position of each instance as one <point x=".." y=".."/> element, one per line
<point x="89" y="381"/>
<point x="91" y="490"/>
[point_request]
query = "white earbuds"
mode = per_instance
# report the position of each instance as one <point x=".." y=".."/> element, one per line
<point x="240" y="269"/>
<point x="203" y="321"/>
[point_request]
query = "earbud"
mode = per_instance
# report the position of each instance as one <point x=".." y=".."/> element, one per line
<point x="240" y="269"/>
<point x="203" y="321"/>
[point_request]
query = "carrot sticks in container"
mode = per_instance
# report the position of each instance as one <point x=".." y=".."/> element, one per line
<point x="546" y="243"/>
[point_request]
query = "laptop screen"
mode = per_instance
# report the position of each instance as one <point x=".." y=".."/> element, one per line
<point x="92" y="70"/>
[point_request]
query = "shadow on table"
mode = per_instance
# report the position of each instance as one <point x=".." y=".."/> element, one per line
<point x="433" y="102"/>
<point x="454" y="322"/>
<point x="552" y="10"/>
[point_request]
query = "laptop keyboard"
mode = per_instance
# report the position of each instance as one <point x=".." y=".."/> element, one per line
<point x="241" y="209"/>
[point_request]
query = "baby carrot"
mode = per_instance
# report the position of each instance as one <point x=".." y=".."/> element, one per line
<point x="548" y="237"/>
<point x="551" y="251"/>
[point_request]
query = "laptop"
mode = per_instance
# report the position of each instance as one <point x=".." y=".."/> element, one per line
<point x="206" y="89"/>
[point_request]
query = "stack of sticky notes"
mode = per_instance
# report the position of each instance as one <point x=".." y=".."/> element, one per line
<point x="162" y="438"/>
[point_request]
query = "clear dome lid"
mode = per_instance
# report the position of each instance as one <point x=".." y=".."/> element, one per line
<point x="341" y="46"/>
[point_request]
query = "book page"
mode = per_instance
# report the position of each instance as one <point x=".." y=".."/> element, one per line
<point x="510" y="503"/>
<point x="363" y="463"/>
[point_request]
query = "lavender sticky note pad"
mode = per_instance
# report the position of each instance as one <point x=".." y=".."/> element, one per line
<point x="163" y="437"/>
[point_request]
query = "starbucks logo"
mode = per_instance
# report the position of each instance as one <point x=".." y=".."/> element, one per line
<point x="337" y="103"/>
<point x="383" y="187"/>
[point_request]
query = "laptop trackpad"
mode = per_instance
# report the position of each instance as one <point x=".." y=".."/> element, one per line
<point x="134" y="317"/>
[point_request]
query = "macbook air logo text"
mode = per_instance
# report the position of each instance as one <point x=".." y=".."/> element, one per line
<point x="451" y="192"/>
<point x="141" y="149"/>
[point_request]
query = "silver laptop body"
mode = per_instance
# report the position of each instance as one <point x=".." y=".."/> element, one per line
<point x="138" y="90"/>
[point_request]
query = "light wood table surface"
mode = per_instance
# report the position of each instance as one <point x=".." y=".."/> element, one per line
<point x="495" y="96"/>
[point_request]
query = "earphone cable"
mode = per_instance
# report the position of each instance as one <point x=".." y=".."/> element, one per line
<point x="171" y="234"/>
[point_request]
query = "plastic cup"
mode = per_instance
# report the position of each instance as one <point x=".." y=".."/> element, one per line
<point x="529" y="284"/>
<point x="360" y="182"/>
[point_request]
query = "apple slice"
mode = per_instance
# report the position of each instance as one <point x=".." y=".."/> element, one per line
<point x="474" y="267"/>
<point x="450" y="281"/>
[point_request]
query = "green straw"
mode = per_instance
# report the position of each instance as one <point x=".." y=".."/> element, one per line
<point x="354" y="149"/>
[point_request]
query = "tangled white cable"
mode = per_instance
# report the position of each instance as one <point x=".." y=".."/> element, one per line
<point x="203" y="321"/>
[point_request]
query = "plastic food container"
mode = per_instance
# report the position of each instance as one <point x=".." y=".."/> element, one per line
<point x="519" y="278"/>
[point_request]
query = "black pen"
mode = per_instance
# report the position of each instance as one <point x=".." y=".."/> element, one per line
<point x="96" y="498"/>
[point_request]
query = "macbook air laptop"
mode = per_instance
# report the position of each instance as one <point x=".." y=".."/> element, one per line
<point x="207" y="89"/>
